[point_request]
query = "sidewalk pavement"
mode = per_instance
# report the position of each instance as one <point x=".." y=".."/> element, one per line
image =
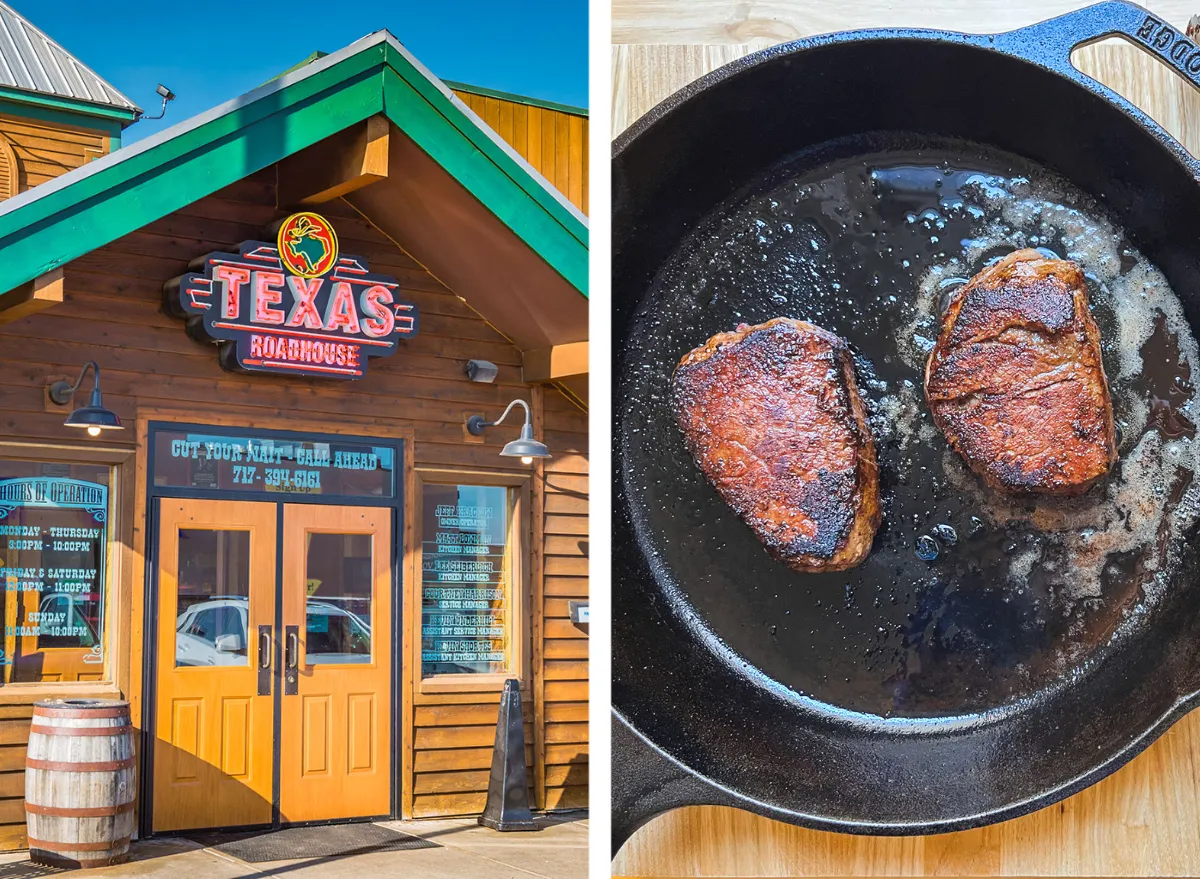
<point x="467" y="851"/>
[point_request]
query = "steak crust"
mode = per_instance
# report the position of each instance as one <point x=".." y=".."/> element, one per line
<point x="773" y="417"/>
<point x="1015" y="380"/>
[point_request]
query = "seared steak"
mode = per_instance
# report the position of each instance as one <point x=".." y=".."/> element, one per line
<point x="773" y="417"/>
<point x="1015" y="381"/>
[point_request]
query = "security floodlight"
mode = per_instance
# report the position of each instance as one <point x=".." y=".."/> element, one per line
<point x="482" y="371"/>
<point x="167" y="95"/>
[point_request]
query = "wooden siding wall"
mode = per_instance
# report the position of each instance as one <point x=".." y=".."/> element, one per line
<point x="564" y="687"/>
<point x="113" y="314"/>
<point x="45" y="150"/>
<point x="553" y="142"/>
<point x="14" y="736"/>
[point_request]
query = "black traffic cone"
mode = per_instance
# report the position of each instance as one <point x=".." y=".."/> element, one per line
<point x="508" y="789"/>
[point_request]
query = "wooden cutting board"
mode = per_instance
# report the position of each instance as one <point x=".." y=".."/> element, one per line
<point x="1144" y="820"/>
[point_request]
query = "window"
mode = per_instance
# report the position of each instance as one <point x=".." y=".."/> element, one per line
<point x="54" y="520"/>
<point x="213" y="597"/>
<point x="472" y="607"/>
<point x="338" y="576"/>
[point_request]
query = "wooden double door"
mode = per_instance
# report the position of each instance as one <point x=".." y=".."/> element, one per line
<point x="273" y="654"/>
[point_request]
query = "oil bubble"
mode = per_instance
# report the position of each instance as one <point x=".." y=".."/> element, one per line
<point x="927" y="548"/>
<point x="946" y="534"/>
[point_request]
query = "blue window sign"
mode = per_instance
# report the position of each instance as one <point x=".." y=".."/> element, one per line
<point x="273" y="464"/>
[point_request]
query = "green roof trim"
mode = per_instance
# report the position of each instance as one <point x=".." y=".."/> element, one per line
<point x="463" y="87"/>
<point x="68" y="105"/>
<point x="111" y="127"/>
<point x="315" y="56"/>
<point x="58" y="221"/>
<point x="516" y="99"/>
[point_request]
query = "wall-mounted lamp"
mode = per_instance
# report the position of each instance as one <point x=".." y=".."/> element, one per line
<point x="526" y="448"/>
<point x="93" y="416"/>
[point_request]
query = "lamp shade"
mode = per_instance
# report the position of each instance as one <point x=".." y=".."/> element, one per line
<point x="94" y="416"/>
<point x="526" y="446"/>
<point x="522" y="448"/>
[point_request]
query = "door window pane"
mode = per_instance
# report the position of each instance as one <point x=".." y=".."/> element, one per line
<point x="53" y="545"/>
<point x="338" y="577"/>
<point x="465" y="576"/>
<point x="213" y="597"/>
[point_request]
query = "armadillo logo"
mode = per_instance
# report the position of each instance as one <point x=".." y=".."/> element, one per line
<point x="295" y="307"/>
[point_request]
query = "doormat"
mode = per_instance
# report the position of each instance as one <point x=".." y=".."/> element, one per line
<point x="332" y="841"/>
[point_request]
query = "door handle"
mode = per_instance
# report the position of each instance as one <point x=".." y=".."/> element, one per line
<point x="291" y="661"/>
<point x="264" y="660"/>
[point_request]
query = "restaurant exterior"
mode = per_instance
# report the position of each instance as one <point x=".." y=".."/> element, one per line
<point x="308" y="556"/>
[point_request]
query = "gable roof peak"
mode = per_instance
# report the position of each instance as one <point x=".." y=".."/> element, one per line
<point x="32" y="62"/>
<point x="54" y="223"/>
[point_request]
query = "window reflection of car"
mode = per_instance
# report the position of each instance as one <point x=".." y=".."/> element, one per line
<point x="213" y="633"/>
<point x="335" y="635"/>
<point x="73" y="619"/>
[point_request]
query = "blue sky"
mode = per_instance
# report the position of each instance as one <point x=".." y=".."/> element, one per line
<point x="208" y="51"/>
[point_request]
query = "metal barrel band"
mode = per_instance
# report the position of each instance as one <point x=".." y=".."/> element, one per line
<point x="82" y="812"/>
<point x="80" y="713"/>
<point x="80" y="730"/>
<point x="49" y="846"/>
<point x="64" y="766"/>
<point x="107" y="861"/>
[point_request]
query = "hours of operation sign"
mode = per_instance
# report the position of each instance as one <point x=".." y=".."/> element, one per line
<point x="464" y="579"/>
<point x="53" y="533"/>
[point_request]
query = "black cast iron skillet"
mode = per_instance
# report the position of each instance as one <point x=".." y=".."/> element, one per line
<point x="697" y="723"/>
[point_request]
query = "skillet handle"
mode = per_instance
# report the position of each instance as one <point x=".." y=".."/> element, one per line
<point x="651" y="783"/>
<point x="1050" y="43"/>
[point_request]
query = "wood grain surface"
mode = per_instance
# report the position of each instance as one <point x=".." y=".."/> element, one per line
<point x="1142" y="821"/>
<point x="554" y="142"/>
<point x="762" y="23"/>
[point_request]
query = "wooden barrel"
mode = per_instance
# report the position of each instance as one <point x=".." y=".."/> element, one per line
<point x="80" y="783"/>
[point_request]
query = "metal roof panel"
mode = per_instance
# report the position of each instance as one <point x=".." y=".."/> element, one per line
<point x="32" y="62"/>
